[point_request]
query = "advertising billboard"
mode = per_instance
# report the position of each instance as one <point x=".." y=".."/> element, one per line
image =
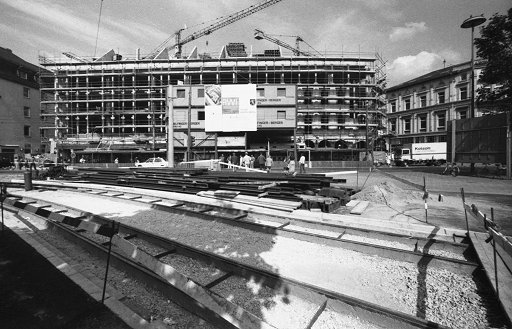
<point x="230" y="108"/>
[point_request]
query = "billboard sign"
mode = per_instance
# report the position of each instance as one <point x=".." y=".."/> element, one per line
<point x="230" y="108"/>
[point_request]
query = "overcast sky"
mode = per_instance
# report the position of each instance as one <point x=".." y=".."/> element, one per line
<point x="413" y="36"/>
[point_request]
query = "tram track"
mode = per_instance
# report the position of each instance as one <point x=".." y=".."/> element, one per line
<point x="455" y="256"/>
<point x="249" y="221"/>
<point x="370" y="314"/>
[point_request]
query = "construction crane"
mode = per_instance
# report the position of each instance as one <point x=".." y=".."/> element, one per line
<point x="222" y="22"/>
<point x="259" y="35"/>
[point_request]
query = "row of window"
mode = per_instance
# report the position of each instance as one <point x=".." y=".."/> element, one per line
<point x="422" y="100"/>
<point x="281" y="92"/>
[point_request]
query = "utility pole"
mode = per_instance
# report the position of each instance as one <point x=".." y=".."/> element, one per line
<point x="366" y="121"/>
<point x="170" y="128"/>
<point x="189" y="140"/>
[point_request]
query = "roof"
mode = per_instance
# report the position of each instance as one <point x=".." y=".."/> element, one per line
<point x="447" y="71"/>
<point x="7" y="55"/>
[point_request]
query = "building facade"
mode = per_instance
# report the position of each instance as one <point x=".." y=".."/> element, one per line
<point x="418" y="110"/>
<point x="19" y="107"/>
<point x="115" y="104"/>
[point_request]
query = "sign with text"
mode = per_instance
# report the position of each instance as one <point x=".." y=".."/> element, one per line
<point x="230" y="108"/>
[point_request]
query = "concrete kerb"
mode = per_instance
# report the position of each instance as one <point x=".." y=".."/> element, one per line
<point x="356" y="222"/>
<point x="47" y="251"/>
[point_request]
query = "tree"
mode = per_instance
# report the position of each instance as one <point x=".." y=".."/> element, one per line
<point x="495" y="47"/>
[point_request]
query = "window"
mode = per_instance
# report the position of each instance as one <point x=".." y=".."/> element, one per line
<point x="423" y="100"/>
<point x="341" y="118"/>
<point x="440" y="97"/>
<point x="200" y="93"/>
<point x="324" y="118"/>
<point x="260" y="92"/>
<point x="200" y="115"/>
<point x="26" y="92"/>
<point x="407" y="125"/>
<point x="462" y="114"/>
<point x="393" y="107"/>
<point x="26" y="131"/>
<point x="441" y="120"/>
<point x="423" y="122"/>
<point x="308" y="119"/>
<point x="22" y="74"/>
<point x="393" y="125"/>
<point x="407" y="103"/>
<point x="281" y="92"/>
<point x="281" y="114"/>
<point x="180" y="93"/>
<point x="28" y="149"/>
<point x="463" y="92"/>
<point x="26" y="112"/>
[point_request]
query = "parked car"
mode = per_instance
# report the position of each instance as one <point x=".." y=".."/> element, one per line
<point x="152" y="162"/>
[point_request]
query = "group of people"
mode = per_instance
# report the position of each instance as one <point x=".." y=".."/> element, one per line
<point x="247" y="161"/>
<point x="235" y="161"/>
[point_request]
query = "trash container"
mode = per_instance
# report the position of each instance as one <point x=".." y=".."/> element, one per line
<point x="27" y="175"/>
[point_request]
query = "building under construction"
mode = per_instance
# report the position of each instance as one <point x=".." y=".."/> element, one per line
<point x="114" y="106"/>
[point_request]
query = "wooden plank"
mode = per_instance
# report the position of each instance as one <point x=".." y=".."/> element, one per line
<point x="485" y="254"/>
<point x="352" y="203"/>
<point x="359" y="208"/>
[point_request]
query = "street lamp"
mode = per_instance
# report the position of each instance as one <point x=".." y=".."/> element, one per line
<point x="471" y="22"/>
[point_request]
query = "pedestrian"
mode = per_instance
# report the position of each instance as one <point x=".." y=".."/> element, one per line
<point x="268" y="163"/>
<point x="247" y="161"/>
<point x="261" y="161"/>
<point x="116" y="161"/>
<point x="229" y="161"/>
<point x="291" y="166"/>
<point x="302" y="164"/>
<point x="137" y="161"/>
<point x="388" y="160"/>
<point x="234" y="161"/>
<point x="252" y="161"/>
<point x="222" y="159"/>
<point x="33" y="164"/>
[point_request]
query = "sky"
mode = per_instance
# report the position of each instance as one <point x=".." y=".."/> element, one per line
<point x="413" y="37"/>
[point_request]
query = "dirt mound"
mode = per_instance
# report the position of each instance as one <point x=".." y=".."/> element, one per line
<point x="387" y="192"/>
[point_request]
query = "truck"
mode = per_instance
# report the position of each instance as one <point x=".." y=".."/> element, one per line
<point x="426" y="154"/>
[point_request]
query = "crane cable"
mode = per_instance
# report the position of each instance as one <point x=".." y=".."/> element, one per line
<point x="98" y="30"/>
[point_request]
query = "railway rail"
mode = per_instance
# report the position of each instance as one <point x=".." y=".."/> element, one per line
<point x="324" y="300"/>
<point x="370" y="315"/>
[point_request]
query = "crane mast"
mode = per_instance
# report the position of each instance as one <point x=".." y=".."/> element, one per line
<point x="179" y="42"/>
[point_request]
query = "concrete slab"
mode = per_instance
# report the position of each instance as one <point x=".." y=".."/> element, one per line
<point x="485" y="253"/>
<point x="360" y="208"/>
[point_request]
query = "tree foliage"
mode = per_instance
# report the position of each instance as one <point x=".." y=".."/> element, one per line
<point x="495" y="47"/>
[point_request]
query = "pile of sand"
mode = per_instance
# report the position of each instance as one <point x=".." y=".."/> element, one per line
<point x="386" y="193"/>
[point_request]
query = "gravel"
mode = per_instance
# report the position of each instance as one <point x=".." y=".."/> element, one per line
<point x="438" y="295"/>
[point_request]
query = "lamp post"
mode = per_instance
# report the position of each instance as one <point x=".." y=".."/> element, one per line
<point x="471" y="22"/>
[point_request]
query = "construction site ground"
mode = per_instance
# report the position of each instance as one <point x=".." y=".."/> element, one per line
<point x="395" y="194"/>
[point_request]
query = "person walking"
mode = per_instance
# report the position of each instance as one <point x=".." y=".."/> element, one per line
<point x="234" y="161"/>
<point x="246" y="161"/>
<point x="291" y="166"/>
<point x="302" y="164"/>
<point x="261" y="161"/>
<point x="268" y="163"/>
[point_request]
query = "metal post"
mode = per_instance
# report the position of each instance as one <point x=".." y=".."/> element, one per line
<point x="465" y="211"/>
<point x="425" y="197"/>
<point x="2" y="195"/>
<point x="495" y="268"/>
<point x="509" y="146"/>
<point x="170" y="128"/>
<point x="189" y="140"/>
<point x="366" y="121"/>
<point x="108" y="261"/>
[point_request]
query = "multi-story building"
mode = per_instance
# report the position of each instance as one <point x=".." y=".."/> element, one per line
<point x="19" y="106"/>
<point x="418" y="110"/>
<point x="117" y="105"/>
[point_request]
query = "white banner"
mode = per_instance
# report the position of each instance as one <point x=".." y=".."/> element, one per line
<point x="230" y="108"/>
